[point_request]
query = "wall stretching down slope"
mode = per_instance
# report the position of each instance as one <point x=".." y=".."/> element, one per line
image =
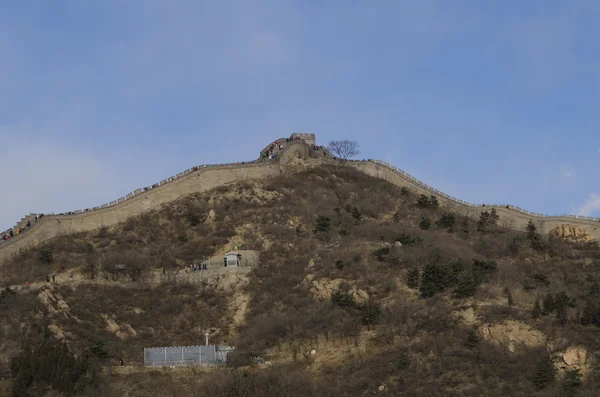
<point x="203" y="178"/>
<point x="197" y="179"/>
<point x="511" y="217"/>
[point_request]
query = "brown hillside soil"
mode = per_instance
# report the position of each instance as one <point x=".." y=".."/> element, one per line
<point x="361" y="287"/>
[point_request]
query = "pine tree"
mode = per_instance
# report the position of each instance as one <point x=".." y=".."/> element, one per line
<point x="548" y="304"/>
<point x="423" y="201"/>
<point x="494" y="217"/>
<point x="572" y="380"/>
<point x="531" y="230"/>
<point x="484" y="220"/>
<point x="425" y="223"/>
<point x="433" y="279"/>
<point x="466" y="286"/>
<point x="544" y="373"/>
<point x="447" y="220"/>
<point x="536" y="312"/>
<point x="413" y="278"/>
<point x="322" y="223"/>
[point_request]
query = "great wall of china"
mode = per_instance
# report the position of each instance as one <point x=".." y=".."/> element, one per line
<point x="206" y="177"/>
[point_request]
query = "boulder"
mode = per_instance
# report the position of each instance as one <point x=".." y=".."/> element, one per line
<point x="511" y="334"/>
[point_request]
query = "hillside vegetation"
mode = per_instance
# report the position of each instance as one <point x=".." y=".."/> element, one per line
<point x="361" y="288"/>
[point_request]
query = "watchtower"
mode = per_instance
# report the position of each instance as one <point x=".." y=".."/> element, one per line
<point x="309" y="138"/>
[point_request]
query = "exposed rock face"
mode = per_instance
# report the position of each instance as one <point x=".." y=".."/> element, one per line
<point x="211" y="216"/>
<point x="56" y="331"/>
<point x="511" y="334"/>
<point x="467" y="316"/>
<point x="574" y="357"/>
<point x="54" y="304"/>
<point x="570" y="232"/>
<point x="324" y="288"/>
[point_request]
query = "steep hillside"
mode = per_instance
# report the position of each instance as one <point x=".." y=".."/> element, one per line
<point x="361" y="287"/>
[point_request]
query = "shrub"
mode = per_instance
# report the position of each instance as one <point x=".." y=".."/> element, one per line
<point x="466" y="286"/>
<point x="447" y="220"/>
<point x="409" y="240"/>
<point x="536" y="312"/>
<point x="382" y="253"/>
<point x="356" y="215"/>
<point x="322" y="224"/>
<point x="343" y="299"/>
<point x="46" y="255"/>
<point x="572" y="380"/>
<point x="36" y="367"/>
<point x="425" y="223"/>
<point x="433" y="279"/>
<point x="482" y="270"/>
<point x="370" y="313"/>
<point x="413" y="278"/>
<point x="427" y="202"/>
<point x="548" y="304"/>
<point x="423" y="201"/>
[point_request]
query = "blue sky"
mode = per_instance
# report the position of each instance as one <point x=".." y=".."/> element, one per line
<point x="488" y="101"/>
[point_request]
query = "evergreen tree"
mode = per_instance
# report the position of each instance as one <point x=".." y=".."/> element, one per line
<point x="466" y="286"/>
<point x="425" y="223"/>
<point x="447" y="220"/>
<point x="536" y="312"/>
<point x="433" y="279"/>
<point x="572" y="380"/>
<point x="322" y="224"/>
<point x="433" y="202"/>
<point x="413" y="278"/>
<point x="494" y="217"/>
<point x="484" y="220"/>
<point x="483" y="269"/>
<point x="423" y="201"/>
<point x="544" y="373"/>
<point x="548" y="305"/>
<point x="46" y="255"/>
<point x="531" y="230"/>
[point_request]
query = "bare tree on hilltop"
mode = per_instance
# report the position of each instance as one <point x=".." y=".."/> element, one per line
<point x="343" y="150"/>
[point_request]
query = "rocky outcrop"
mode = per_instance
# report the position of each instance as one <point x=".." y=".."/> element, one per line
<point x="574" y="357"/>
<point x="323" y="288"/>
<point x="570" y="233"/>
<point x="511" y="334"/>
<point x="122" y="332"/>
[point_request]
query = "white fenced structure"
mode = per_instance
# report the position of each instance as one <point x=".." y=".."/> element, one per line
<point x="186" y="355"/>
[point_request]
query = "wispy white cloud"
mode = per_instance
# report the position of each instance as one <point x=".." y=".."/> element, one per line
<point x="560" y="179"/>
<point x="591" y="206"/>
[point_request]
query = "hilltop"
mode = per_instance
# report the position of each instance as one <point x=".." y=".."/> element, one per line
<point x="283" y="156"/>
<point x="361" y="286"/>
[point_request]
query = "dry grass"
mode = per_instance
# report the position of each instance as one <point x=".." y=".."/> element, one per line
<point x="411" y="344"/>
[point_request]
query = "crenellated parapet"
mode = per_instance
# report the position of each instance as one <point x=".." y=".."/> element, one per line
<point x="208" y="176"/>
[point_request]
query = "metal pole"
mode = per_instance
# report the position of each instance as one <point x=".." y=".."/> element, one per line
<point x="165" y="356"/>
<point x="206" y="334"/>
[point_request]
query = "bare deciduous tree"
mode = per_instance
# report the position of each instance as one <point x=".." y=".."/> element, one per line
<point x="343" y="150"/>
